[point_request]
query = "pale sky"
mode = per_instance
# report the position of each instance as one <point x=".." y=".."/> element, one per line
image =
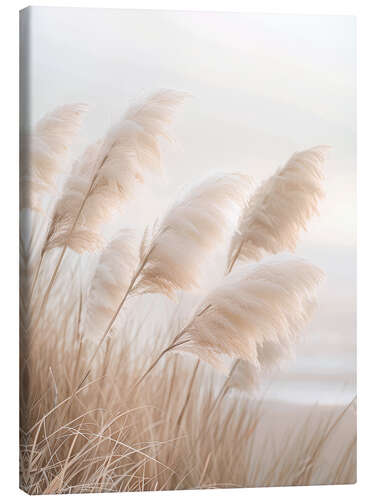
<point x="263" y="86"/>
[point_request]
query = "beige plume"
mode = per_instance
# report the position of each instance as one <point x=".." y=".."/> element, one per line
<point x="268" y="304"/>
<point x="246" y="376"/>
<point x="83" y="238"/>
<point x="189" y="232"/>
<point x="45" y="152"/>
<point x="111" y="280"/>
<point x="280" y="208"/>
<point x="110" y="170"/>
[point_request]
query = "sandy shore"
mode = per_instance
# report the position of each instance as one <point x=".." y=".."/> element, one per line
<point x="302" y="433"/>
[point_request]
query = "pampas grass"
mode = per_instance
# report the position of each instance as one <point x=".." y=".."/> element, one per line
<point x="111" y="280"/>
<point x="247" y="376"/>
<point x="189" y="232"/>
<point x="109" y="172"/>
<point x="280" y="208"/>
<point x="118" y="163"/>
<point x="90" y="420"/>
<point x="46" y="152"/>
<point x="268" y="304"/>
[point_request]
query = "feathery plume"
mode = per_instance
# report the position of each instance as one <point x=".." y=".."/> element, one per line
<point x="45" y="152"/>
<point x="114" y="167"/>
<point x="280" y="207"/>
<point x="111" y="280"/>
<point x="85" y="236"/>
<point x="189" y="232"/>
<point x="247" y="377"/>
<point x="268" y="304"/>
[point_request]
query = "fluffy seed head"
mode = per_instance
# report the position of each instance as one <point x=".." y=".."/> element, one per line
<point x="270" y="303"/>
<point x="279" y="209"/>
<point x="189" y="233"/>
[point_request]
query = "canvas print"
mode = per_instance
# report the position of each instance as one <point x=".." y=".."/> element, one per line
<point x="187" y="250"/>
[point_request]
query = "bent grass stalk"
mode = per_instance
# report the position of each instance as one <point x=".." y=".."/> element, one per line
<point x="223" y="390"/>
<point x="218" y="399"/>
<point x="191" y="384"/>
<point x="189" y="392"/>
<point x="171" y="346"/>
<point x="115" y="315"/>
<point x="324" y="439"/>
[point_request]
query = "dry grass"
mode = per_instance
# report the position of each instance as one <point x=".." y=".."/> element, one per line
<point x="114" y="438"/>
<point x="87" y="423"/>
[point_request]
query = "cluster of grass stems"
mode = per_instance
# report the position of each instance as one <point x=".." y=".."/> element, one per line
<point x="110" y="401"/>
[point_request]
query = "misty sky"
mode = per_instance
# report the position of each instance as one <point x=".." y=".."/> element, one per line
<point x="263" y="86"/>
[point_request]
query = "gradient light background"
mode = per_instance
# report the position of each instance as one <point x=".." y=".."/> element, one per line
<point x="264" y="86"/>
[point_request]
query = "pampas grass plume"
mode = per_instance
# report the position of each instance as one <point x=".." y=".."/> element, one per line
<point x="189" y="233"/>
<point x="45" y="152"/>
<point x="111" y="280"/>
<point x="280" y="208"/>
<point x="270" y="303"/>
